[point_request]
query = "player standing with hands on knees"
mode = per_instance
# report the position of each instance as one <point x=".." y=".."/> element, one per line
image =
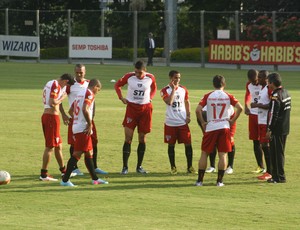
<point x="178" y="113"/>
<point x="82" y="113"/>
<point x="217" y="128"/>
<point x="53" y="95"/>
<point x="141" y="90"/>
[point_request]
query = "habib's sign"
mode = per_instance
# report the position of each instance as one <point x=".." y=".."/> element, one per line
<point x="245" y="52"/>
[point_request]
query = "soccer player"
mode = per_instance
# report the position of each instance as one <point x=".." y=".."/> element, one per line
<point x="178" y="113"/>
<point x="80" y="83"/>
<point x="217" y="127"/>
<point x="278" y="126"/>
<point x="141" y="90"/>
<point x="263" y="106"/>
<point x="251" y="96"/>
<point x="82" y="113"/>
<point x="231" y="154"/>
<point x="53" y="94"/>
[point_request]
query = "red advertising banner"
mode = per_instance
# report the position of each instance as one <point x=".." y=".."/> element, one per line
<point x="262" y="53"/>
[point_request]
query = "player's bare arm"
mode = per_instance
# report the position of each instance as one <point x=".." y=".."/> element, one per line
<point x="89" y="126"/>
<point x="239" y="110"/>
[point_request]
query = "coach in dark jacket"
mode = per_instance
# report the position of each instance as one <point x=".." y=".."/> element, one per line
<point x="278" y="126"/>
<point x="149" y="48"/>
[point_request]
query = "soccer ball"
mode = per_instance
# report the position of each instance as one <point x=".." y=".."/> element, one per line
<point x="4" y="177"/>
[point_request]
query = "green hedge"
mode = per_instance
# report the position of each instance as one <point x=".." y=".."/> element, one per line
<point x="184" y="55"/>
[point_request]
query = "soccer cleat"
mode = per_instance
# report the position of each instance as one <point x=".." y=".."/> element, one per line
<point x="48" y="178"/>
<point x="124" y="170"/>
<point x="210" y="170"/>
<point x="68" y="183"/>
<point x="265" y="176"/>
<point x="72" y="175"/>
<point x="192" y="170"/>
<point x="259" y="170"/>
<point x="99" y="181"/>
<point x="100" y="171"/>
<point x="199" y="183"/>
<point x="220" y="184"/>
<point x="173" y="170"/>
<point x="141" y="170"/>
<point x="77" y="172"/>
<point x="229" y="170"/>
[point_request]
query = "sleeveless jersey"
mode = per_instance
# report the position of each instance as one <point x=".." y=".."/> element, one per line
<point x="52" y="90"/>
<point x="264" y="98"/>
<point x="79" y="121"/>
<point x="176" y="113"/>
<point x="140" y="91"/>
<point x="252" y="93"/>
<point x="73" y="90"/>
<point x="218" y="109"/>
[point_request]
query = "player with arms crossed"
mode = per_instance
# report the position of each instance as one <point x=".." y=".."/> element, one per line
<point x="251" y="96"/>
<point x="141" y="89"/>
<point x="217" y="128"/>
<point x="178" y="113"/>
<point x="82" y="113"/>
<point x="53" y="94"/>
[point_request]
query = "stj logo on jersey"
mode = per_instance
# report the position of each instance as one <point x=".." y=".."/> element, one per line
<point x="140" y="85"/>
<point x="177" y="97"/>
<point x="128" y="120"/>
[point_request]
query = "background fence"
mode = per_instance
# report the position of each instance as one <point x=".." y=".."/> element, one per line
<point x="128" y="29"/>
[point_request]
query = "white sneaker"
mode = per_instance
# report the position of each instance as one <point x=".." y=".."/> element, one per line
<point x="199" y="183"/>
<point x="99" y="181"/>
<point x="77" y="172"/>
<point x="210" y="170"/>
<point x="220" y="184"/>
<point x="48" y="178"/>
<point x="229" y="170"/>
<point x="100" y="171"/>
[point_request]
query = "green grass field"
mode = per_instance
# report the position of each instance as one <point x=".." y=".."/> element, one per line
<point x="154" y="201"/>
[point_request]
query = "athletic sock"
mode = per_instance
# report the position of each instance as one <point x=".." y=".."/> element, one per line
<point x="266" y="151"/>
<point x="220" y="175"/>
<point x="258" y="153"/>
<point x="189" y="155"/>
<point x="201" y="173"/>
<point x="171" y="154"/>
<point x="231" y="157"/>
<point x="71" y="150"/>
<point x="212" y="158"/>
<point x="126" y="153"/>
<point x="140" y="153"/>
<point x="44" y="173"/>
<point x="63" y="169"/>
<point x="90" y="166"/>
<point x="70" y="167"/>
<point x="95" y="155"/>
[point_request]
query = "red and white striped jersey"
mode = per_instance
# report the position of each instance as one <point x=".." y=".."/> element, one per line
<point x="140" y="91"/>
<point x="264" y="98"/>
<point x="251" y="95"/>
<point x="79" y="121"/>
<point x="52" y="90"/>
<point x="218" y="109"/>
<point x="175" y="113"/>
<point x="73" y="90"/>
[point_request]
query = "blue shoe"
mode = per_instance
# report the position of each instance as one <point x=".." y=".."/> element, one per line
<point x="68" y="183"/>
<point x="100" y="171"/>
<point x="77" y="172"/>
<point x="99" y="181"/>
<point x="124" y="170"/>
